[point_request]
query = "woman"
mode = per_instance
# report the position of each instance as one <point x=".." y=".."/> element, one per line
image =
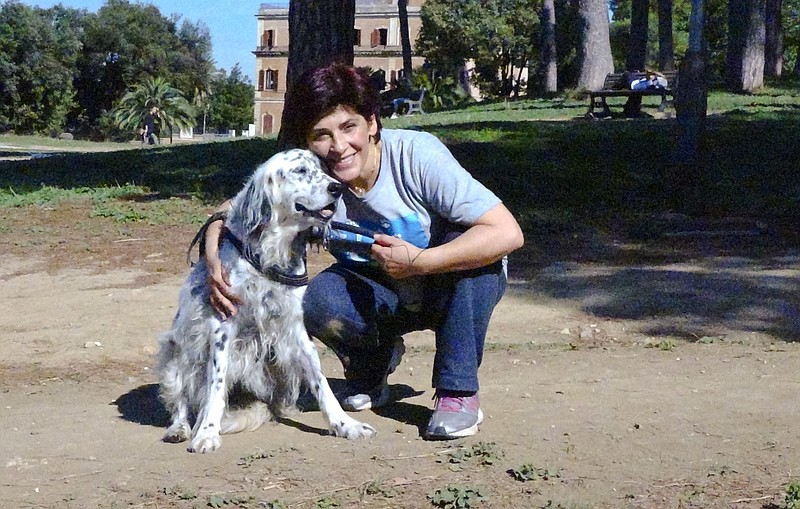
<point x="436" y="259"/>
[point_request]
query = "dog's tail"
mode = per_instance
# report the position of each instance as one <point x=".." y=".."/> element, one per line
<point x="248" y="418"/>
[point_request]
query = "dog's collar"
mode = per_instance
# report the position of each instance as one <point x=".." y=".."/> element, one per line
<point x="273" y="272"/>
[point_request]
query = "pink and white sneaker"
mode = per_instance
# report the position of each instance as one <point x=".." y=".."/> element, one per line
<point x="454" y="417"/>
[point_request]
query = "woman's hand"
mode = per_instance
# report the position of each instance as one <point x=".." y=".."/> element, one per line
<point x="397" y="257"/>
<point x="221" y="296"/>
<point x="494" y="235"/>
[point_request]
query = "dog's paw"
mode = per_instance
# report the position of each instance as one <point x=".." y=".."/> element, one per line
<point x="205" y="443"/>
<point x="352" y="429"/>
<point x="177" y="433"/>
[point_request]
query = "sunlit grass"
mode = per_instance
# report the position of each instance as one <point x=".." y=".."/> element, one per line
<point x="52" y="196"/>
<point x="542" y="157"/>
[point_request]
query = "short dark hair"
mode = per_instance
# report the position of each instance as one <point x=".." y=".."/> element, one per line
<point x="319" y="91"/>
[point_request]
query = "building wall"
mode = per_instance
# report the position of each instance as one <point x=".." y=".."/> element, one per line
<point x="372" y="17"/>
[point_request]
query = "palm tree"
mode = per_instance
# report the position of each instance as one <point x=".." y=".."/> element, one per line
<point x="173" y="108"/>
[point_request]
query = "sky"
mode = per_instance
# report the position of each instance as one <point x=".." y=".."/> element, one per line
<point x="232" y="24"/>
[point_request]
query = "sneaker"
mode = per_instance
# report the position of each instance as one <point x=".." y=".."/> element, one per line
<point x="373" y="398"/>
<point x="454" y="417"/>
<point x="379" y="395"/>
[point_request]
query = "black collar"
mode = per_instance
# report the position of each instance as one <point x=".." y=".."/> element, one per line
<point x="274" y="272"/>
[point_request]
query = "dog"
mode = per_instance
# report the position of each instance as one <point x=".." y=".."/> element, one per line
<point x="264" y="350"/>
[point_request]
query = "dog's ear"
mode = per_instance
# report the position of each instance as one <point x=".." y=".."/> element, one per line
<point x="252" y="207"/>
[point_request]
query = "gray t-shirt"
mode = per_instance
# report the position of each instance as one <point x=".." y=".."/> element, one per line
<point x="421" y="189"/>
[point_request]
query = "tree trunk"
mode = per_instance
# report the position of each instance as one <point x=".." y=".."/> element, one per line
<point x="549" y="53"/>
<point x="684" y="182"/>
<point x="773" y="49"/>
<point x="594" y="49"/>
<point x="746" y="33"/>
<point x="320" y="33"/>
<point x="796" y="70"/>
<point x="405" y="37"/>
<point x="637" y="51"/>
<point x="666" y="47"/>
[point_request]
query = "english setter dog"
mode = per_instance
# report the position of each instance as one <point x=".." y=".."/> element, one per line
<point x="264" y="349"/>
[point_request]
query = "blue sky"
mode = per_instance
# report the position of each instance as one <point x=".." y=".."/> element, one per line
<point x="232" y="24"/>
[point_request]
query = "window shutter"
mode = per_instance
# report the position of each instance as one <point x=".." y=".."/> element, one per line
<point x="261" y="80"/>
<point x="374" y="38"/>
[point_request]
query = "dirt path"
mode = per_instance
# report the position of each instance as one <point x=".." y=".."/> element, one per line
<point x="617" y="424"/>
<point x="618" y="411"/>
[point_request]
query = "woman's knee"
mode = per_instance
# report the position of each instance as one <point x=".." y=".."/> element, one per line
<point x="324" y="303"/>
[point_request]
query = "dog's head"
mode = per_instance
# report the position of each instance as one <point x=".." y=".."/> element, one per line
<point x="291" y="190"/>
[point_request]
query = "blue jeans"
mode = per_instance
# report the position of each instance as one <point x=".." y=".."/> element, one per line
<point x="359" y="317"/>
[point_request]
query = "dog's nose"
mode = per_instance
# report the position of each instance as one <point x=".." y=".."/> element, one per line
<point x="336" y="189"/>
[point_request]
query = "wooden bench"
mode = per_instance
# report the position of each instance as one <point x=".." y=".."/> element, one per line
<point x="618" y="85"/>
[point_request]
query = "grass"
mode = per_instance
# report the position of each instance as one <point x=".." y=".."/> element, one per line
<point x="558" y="172"/>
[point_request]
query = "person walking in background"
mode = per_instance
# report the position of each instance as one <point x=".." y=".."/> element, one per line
<point x="149" y="134"/>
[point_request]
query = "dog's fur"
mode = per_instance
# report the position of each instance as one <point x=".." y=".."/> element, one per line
<point x="264" y="349"/>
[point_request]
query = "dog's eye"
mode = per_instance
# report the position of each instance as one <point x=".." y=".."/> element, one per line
<point x="302" y="170"/>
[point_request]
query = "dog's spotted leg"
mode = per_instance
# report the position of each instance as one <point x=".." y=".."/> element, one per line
<point x="207" y="428"/>
<point x="340" y="424"/>
<point x="179" y="430"/>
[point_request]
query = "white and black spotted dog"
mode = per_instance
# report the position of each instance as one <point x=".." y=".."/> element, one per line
<point x="264" y="349"/>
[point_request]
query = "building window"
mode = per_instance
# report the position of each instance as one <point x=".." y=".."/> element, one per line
<point x="379" y="37"/>
<point x="268" y="38"/>
<point x="356" y="37"/>
<point x="268" y="79"/>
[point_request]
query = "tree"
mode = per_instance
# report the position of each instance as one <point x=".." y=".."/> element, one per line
<point x="405" y="37"/>
<point x="637" y="50"/>
<point x="173" y="108"/>
<point x="773" y="44"/>
<point x="231" y="104"/>
<point x="745" y="56"/>
<point x="126" y="43"/>
<point x="594" y="51"/>
<point x="444" y="37"/>
<point x="320" y="33"/>
<point x="38" y="51"/>
<point x="194" y="64"/>
<point x="498" y="35"/>
<point x="666" y="46"/>
<point x="790" y="21"/>
<point x="549" y="54"/>
<point x="691" y="98"/>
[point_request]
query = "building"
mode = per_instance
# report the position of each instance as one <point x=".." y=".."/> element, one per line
<point x="377" y="46"/>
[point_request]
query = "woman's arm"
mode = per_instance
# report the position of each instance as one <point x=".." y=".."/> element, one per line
<point x="494" y="235"/>
<point x="222" y="298"/>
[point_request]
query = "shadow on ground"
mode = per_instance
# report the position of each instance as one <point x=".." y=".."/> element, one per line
<point x="143" y="406"/>
<point x="676" y="278"/>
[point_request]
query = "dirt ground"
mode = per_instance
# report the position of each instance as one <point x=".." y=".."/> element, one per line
<point x="616" y="375"/>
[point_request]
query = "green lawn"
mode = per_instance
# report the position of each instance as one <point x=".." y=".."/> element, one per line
<point x="541" y="156"/>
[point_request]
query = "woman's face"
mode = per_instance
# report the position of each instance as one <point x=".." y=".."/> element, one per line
<point x="342" y="139"/>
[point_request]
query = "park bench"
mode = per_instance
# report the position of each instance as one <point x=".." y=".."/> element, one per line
<point x="394" y="105"/>
<point x="415" y="105"/>
<point x="618" y="85"/>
